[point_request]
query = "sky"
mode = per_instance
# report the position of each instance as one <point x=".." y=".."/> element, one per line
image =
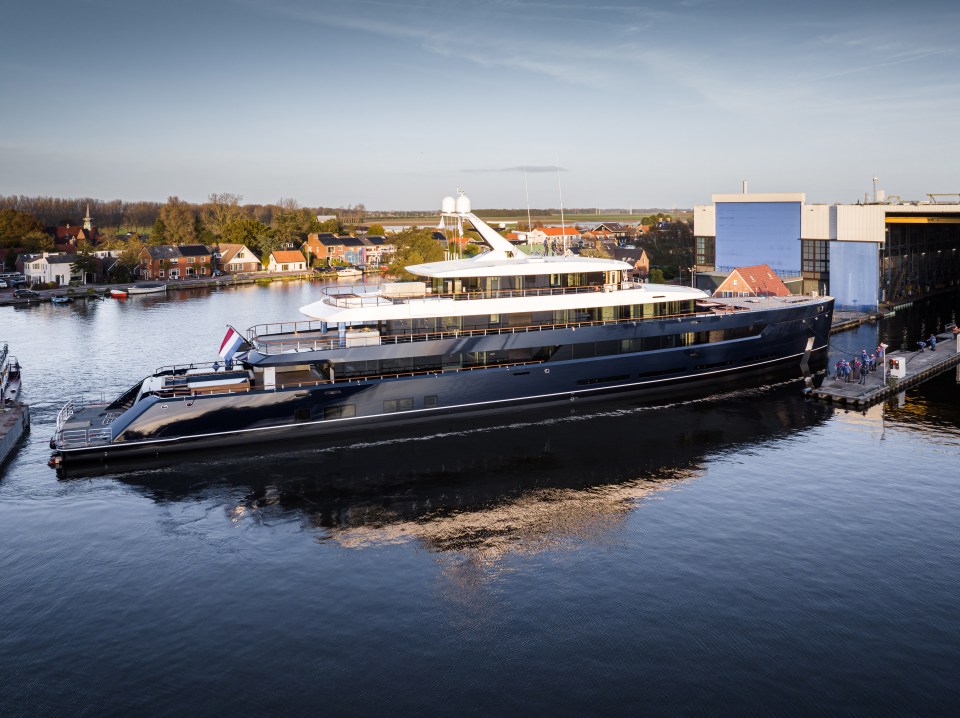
<point x="396" y="104"/>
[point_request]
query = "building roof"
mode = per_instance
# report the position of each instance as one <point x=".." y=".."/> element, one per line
<point x="61" y="258"/>
<point x="193" y="250"/>
<point x="759" y="279"/>
<point x="286" y="256"/>
<point x="163" y="251"/>
<point x="558" y="231"/>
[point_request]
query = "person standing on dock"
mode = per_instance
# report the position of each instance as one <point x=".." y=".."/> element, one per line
<point x="932" y="341"/>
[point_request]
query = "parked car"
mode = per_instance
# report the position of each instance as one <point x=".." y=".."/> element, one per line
<point x="3" y="284"/>
<point x="25" y="294"/>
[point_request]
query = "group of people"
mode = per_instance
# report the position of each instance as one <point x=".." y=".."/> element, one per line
<point x="931" y="342"/>
<point x="857" y="368"/>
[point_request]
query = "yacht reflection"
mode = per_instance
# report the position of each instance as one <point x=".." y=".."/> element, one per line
<point x="487" y="490"/>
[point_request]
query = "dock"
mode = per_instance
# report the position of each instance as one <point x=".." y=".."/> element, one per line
<point x="14" y="424"/>
<point x="919" y="366"/>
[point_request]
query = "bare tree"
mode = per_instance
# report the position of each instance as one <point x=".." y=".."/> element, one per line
<point x="221" y="210"/>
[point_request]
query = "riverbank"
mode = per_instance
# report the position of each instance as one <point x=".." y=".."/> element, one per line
<point x="99" y="291"/>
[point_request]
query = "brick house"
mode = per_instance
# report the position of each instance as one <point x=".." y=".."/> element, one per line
<point x="173" y="262"/>
<point x="756" y="281"/>
<point x="328" y="249"/>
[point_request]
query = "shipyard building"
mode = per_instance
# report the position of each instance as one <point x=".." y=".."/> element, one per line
<point x="864" y="255"/>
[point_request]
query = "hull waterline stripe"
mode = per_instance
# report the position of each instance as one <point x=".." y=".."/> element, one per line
<point x="445" y="409"/>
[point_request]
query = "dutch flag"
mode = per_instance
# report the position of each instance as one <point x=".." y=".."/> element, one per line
<point x="231" y="343"/>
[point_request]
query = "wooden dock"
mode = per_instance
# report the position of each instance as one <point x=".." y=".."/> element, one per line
<point x="920" y="366"/>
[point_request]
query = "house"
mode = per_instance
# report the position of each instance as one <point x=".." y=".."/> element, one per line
<point x="324" y="248"/>
<point x="180" y="261"/>
<point x="378" y="250"/>
<point x="234" y="258"/>
<point x="756" y="281"/>
<point x="47" y="268"/>
<point x="328" y="249"/>
<point x="66" y="237"/>
<point x="615" y="229"/>
<point x="556" y="236"/>
<point x="635" y="256"/>
<point x="287" y="260"/>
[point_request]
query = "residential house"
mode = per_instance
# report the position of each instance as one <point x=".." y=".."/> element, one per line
<point x="323" y="249"/>
<point x="378" y="250"/>
<point x="328" y="249"/>
<point x="50" y="268"/>
<point x="558" y="237"/>
<point x="635" y="256"/>
<point x="235" y="258"/>
<point x="615" y="229"/>
<point x="173" y="262"/>
<point x="756" y="281"/>
<point x="287" y="260"/>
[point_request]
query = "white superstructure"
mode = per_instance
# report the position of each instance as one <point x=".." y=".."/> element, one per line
<point x="475" y="285"/>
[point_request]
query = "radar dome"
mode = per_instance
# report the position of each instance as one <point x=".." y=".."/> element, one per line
<point x="463" y="204"/>
<point x="449" y="205"/>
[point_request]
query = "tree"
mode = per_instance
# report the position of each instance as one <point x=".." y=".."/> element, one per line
<point x="244" y="231"/>
<point x="221" y="210"/>
<point x="656" y="276"/>
<point x="177" y="221"/>
<point x="85" y="263"/>
<point x="158" y="235"/>
<point x="37" y="241"/>
<point x="129" y="261"/>
<point x="15" y="225"/>
<point x="376" y="230"/>
<point x="414" y="246"/>
<point x="201" y="234"/>
<point x="331" y="225"/>
<point x="597" y="251"/>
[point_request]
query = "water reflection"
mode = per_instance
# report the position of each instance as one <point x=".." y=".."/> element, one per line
<point x="484" y="491"/>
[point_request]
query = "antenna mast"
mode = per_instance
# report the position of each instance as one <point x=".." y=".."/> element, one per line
<point x="563" y="227"/>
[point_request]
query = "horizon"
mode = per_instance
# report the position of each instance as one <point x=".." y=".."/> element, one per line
<point x="394" y="105"/>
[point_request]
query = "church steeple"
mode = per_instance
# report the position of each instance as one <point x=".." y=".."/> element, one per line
<point x="88" y="220"/>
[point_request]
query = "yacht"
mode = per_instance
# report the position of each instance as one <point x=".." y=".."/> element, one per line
<point x="500" y="332"/>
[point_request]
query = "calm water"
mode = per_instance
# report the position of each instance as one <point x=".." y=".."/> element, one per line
<point x="749" y="553"/>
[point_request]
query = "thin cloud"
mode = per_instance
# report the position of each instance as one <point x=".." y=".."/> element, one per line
<point x="520" y="168"/>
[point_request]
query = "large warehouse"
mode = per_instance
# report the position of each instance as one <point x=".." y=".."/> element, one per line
<point x="862" y="254"/>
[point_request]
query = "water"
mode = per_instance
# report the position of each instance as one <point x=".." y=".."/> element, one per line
<point x="744" y="554"/>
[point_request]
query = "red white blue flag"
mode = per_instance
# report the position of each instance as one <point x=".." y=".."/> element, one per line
<point x="231" y="343"/>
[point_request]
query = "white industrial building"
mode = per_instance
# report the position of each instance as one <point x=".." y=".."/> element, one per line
<point x="862" y="254"/>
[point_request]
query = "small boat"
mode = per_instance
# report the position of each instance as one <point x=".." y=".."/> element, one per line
<point x="348" y="273"/>
<point x="146" y="288"/>
<point x="118" y="294"/>
<point x="9" y="377"/>
<point x="61" y="300"/>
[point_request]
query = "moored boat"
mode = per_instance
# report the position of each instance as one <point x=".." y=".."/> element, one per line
<point x="118" y="294"/>
<point x="146" y="288"/>
<point x="348" y="273"/>
<point x="14" y="414"/>
<point x="61" y="300"/>
<point x="496" y="333"/>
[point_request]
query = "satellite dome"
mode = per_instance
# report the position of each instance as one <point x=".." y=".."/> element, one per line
<point x="463" y="204"/>
<point x="449" y="205"/>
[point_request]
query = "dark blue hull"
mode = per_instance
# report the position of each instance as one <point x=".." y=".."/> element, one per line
<point x="791" y="344"/>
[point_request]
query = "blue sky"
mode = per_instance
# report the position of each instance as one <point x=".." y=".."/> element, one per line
<point x="396" y="104"/>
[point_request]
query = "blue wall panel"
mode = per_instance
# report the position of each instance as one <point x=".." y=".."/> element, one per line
<point x="855" y="275"/>
<point x="751" y="233"/>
